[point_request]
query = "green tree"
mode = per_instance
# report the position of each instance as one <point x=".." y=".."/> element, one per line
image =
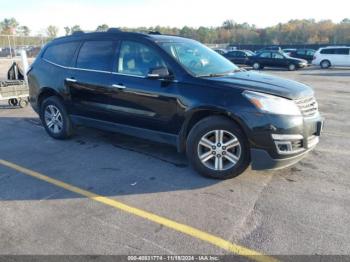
<point x="102" y="28"/>
<point x="52" y="31"/>
<point x="23" y="30"/>
<point x="75" y="28"/>
<point x="9" y="26"/>
<point x="67" y="30"/>
<point x="228" y="24"/>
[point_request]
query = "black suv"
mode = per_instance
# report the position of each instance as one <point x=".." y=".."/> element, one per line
<point x="307" y="54"/>
<point x="176" y="91"/>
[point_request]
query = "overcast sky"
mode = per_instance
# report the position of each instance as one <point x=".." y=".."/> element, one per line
<point x="38" y="14"/>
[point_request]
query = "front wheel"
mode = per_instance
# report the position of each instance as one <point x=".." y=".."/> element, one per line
<point x="55" y="118"/>
<point x="217" y="148"/>
<point x="325" y="64"/>
<point x="23" y="103"/>
<point x="291" y="67"/>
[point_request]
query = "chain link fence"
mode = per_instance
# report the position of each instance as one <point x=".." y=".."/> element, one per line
<point x="11" y="45"/>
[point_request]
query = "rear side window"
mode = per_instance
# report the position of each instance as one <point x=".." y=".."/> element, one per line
<point x="328" y="51"/>
<point x="96" y="55"/>
<point x="61" y="54"/>
<point x="342" y="51"/>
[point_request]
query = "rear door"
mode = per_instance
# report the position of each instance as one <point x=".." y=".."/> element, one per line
<point x="301" y="53"/>
<point x="241" y="58"/>
<point x="231" y="56"/>
<point x="90" y="80"/>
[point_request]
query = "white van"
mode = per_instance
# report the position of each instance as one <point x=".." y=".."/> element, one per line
<point x="332" y="56"/>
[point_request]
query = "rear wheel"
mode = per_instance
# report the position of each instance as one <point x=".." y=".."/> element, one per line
<point x="256" y="66"/>
<point x="55" y="118"/>
<point x="217" y="148"/>
<point x="13" y="102"/>
<point x="325" y="64"/>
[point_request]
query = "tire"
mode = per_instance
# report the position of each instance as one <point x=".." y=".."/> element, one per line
<point x="291" y="67"/>
<point x="23" y="103"/>
<point x="256" y="66"/>
<point x="207" y="128"/>
<point x="59" y="127"/>
<point x="325" y="64"/>
<point x="13" y="102"/>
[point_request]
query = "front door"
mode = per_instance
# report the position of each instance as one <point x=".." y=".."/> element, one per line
<point x="139" y="100"/>
<point x="279" y="60"/>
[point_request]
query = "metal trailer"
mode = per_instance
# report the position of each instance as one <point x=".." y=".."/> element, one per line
<point x="16" y="92"/>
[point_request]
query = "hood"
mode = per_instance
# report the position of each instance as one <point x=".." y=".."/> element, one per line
<point x="249" y="80"/>
<point x="298" y="59"/>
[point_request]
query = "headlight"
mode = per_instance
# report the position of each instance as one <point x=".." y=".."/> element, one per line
<point x="272" y="104"/>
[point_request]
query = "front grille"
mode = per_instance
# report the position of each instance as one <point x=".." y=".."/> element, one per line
<point x="308" y="106"/>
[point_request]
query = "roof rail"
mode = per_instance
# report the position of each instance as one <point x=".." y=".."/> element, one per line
<point x="331" y="46"/>
<point x="154" y="33"/>
<point x="114" y="30"/>
<point x="78" y="32"/>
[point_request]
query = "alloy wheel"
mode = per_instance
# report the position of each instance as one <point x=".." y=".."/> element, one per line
<point x="53" y="119"/>
<point x="219" y="150"/>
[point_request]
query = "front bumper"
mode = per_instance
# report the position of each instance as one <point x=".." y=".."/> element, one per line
<point x="261" y="159"/>
<point x="302" y="65"/>
<point x="280" y="141"/>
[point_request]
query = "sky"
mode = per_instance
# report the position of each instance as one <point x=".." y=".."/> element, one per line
<point x="38" y="14"/>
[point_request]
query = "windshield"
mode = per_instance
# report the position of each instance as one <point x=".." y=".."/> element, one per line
<point x="198" y="59"/>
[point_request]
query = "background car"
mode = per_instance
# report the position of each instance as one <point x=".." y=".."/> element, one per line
<point x="275" y="59"/>
<point x="270" y="48"/>
<point x="239" y="57"/>
<point x="332" y="56"/>
<point x="220" y="51"/>
<point x="304" y="53"/>
<point x="288" y="51"/>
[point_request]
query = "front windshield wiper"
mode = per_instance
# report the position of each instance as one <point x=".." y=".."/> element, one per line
<point x="221" y="74"/>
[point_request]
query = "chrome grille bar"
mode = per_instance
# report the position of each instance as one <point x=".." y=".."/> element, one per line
<point x="308" y="106"/>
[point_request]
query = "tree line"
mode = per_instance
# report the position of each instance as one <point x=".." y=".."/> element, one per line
<point x="306" y="31"/>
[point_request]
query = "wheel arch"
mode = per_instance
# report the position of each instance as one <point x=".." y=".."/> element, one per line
<point x="197" y="114"/>
<point x="45" y="93"/>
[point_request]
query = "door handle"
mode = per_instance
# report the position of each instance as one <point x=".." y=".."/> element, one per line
<point x="71" y="80"/>
<point x="119" y="86"/>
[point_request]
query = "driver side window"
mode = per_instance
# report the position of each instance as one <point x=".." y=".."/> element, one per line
<point x="138" y="59"/>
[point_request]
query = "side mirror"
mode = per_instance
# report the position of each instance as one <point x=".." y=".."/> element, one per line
<point x="159" y="73"/>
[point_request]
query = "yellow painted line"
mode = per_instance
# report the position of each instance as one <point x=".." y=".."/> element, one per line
<point x="188" y="230"/>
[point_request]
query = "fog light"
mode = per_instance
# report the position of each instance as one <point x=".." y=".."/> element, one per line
<point x="288" y="143"/>
<point x="284" y="147"/>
